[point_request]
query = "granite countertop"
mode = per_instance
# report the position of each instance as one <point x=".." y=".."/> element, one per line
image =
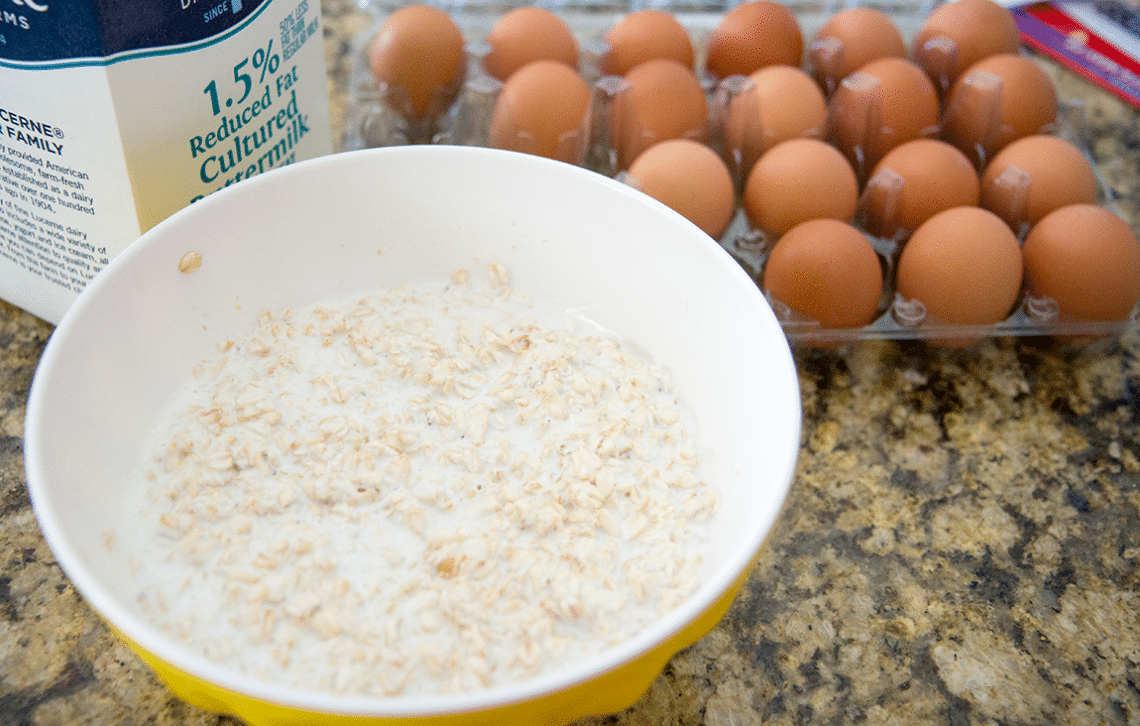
<point x="961" y="544"/>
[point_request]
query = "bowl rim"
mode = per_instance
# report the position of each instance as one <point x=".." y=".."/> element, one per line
<point x="150" y="638"/>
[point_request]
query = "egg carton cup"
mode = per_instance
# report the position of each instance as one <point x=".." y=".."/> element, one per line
<point x="372" y="120"/>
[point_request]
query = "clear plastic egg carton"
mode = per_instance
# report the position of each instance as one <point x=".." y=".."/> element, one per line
<point x="372" y="122"/>
<point x="901" y="319"/>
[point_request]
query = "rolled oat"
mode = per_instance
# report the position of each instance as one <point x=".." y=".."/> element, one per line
<point x="425" y="490"/>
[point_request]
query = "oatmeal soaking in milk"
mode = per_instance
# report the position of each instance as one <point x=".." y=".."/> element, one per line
<point x="430" y="489"/>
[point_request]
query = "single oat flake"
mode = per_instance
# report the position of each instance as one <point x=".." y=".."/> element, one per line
<point x="190" y="262"/>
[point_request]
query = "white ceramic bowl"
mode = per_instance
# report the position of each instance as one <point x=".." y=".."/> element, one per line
<point x="312" y="231"/>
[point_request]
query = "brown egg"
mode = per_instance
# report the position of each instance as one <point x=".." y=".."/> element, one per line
<point x="527" y="34"/>
<point x="964" y="266"/>
<point x="1087" y="259"/>
<point x="781" y="103"/>
<point x="912" y="183"/>
<point x="1035" y="175"/>
<point x="418" y="54"/>
<point x="797" y="181"/>
<point x="663" y="100"/>
<point x="885" y="103"/>
<point x="753" y="35"/>
<point x="689" y="177"/>
<point x="997" y="100"/>
<point x="643" y="36"/>
<point x="851" y="39"/>
<point x="826" y="270"/>
<point x="541" y="110"/>
<point x="959" y="34"/>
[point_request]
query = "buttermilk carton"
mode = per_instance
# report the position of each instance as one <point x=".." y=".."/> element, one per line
<point x="114" y="115"/>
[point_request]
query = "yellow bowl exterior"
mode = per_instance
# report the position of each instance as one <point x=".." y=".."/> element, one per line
<point x="610" y="692"/>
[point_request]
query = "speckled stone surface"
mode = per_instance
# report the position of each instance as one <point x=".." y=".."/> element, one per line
<point x="961" y="544"/>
